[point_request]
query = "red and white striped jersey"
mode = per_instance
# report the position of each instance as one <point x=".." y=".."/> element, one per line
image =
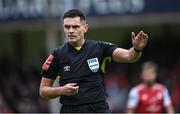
<point x="148" y="100"/>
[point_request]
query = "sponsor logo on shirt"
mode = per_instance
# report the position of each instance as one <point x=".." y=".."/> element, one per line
<point x="66" y="68"/>
<point x="48" y="62"/>
<point x="93" y="64"/>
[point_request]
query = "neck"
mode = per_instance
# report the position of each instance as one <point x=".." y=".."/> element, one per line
<point x="149" y="84"/>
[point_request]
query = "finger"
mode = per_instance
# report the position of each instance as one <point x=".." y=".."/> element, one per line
<point x="132" y="35"/>
<point x="140" y="34"/>
<point x="145" y="37"/>
<point x="73" y="87"/>
<point x="70" y="93"/>
<point x="76" y="87"/>
<point x="72" y="84"/>
<point x="75" y="90"/>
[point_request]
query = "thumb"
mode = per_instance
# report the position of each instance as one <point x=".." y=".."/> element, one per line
<point x="132" y="35"/>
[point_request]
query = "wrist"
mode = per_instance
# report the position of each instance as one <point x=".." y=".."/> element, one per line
<point x="61" y="91"/>
<point x="137" y="50"/>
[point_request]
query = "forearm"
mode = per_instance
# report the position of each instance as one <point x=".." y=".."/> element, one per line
<point x="51" y="92"/>
<point x="124" y="55"/>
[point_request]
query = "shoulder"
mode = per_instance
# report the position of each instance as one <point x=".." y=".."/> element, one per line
<point x="59" y="49"/>
<point x="159" y="86"/>
<point x="91" y="42"/>
<point x="101" y="43"/>
<point x="134" y="92"/>
<point x="139" y="87"/>
<point x="106" y="43"/>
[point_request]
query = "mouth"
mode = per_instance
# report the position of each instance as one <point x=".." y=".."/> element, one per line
<point x="71" y="36"/>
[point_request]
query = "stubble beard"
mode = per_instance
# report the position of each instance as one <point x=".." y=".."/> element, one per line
<point x="74" y="41"/>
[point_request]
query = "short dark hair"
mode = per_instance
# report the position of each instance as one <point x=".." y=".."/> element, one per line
<point x="74" y="13"/>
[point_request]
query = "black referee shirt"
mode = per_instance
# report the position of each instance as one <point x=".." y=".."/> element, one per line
<point x="82" y="67"/>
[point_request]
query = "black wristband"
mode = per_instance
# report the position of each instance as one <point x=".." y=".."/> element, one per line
<point x="136" y="50"/>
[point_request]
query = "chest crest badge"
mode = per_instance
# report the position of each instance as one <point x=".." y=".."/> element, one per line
<point x="93" y="64"/>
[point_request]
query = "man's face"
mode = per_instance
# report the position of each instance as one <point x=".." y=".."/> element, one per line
<point x="74" y="29"/>
<point x="149" y="75"/>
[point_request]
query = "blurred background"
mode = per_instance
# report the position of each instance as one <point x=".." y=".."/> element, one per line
<point x="31" y="29"/>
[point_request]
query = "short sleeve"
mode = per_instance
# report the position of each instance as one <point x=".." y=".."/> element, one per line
<point x="167" y="99"/>
<point x="51" y="65"/>
<point x="133" y="98"/>
<point x="108" y="48"/>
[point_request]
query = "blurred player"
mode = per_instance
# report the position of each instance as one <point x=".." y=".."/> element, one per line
<point x="79" y="64"/>
<point x="149" y="96"/>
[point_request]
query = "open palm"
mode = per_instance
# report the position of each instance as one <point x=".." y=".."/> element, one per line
<point x="139" y="41"/>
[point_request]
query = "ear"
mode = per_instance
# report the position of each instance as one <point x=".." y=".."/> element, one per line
<point x="85" y="26"/>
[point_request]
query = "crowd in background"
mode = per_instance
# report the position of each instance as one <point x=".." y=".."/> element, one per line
<point x="19" y="88"/>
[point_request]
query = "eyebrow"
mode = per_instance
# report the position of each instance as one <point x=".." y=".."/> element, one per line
<point x="72" y="25"/>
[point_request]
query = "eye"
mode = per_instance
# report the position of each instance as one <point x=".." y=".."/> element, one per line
<point x="67" y="26"/>
<point x="75" y="27"/>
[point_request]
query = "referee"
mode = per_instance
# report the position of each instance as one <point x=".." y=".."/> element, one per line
<point x="78" y="62"/>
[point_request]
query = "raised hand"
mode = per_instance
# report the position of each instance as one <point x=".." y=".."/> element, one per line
<point x="139" y="41"/>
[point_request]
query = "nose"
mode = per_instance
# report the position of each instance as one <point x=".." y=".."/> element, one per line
<point x="71" y="30"/>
